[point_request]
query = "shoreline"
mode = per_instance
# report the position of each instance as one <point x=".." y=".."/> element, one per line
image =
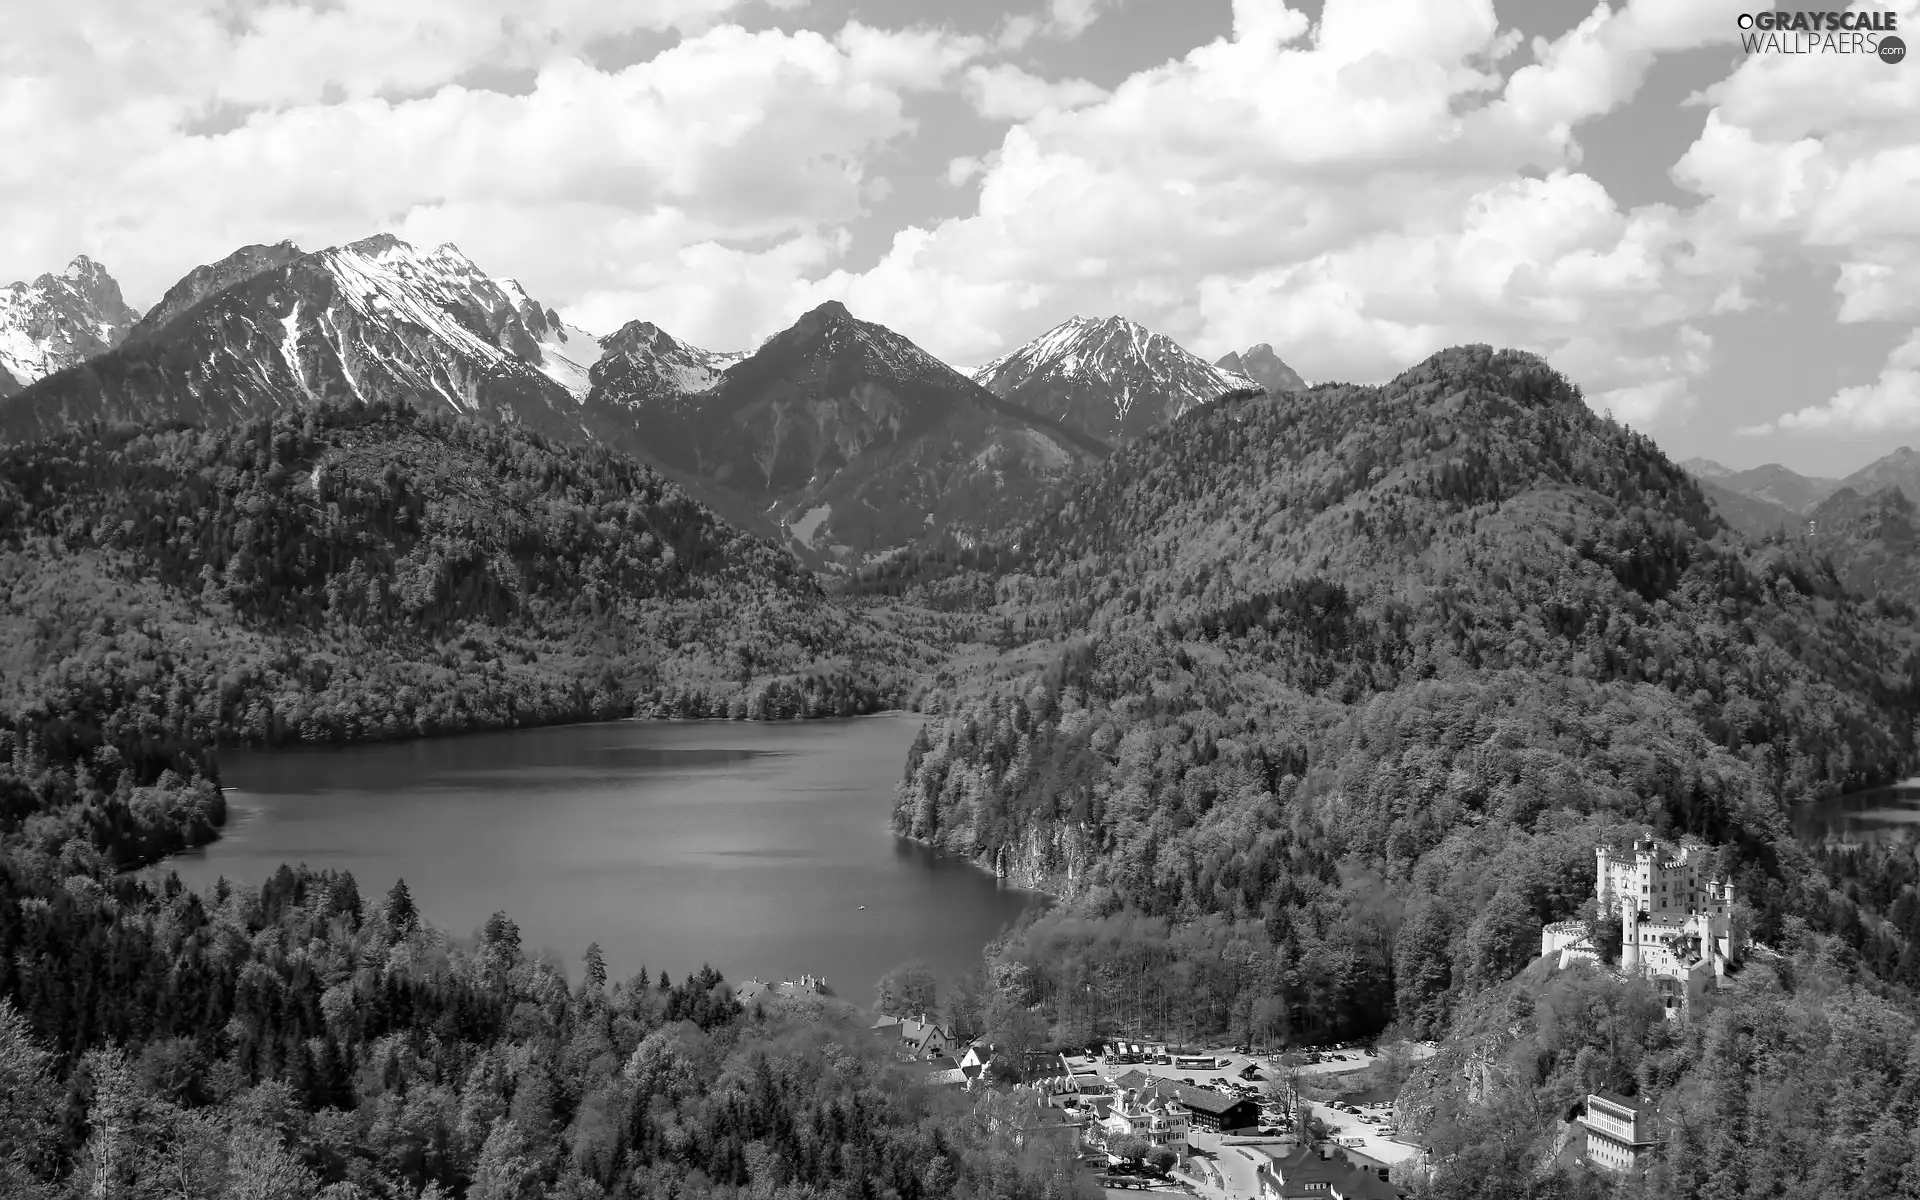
<point x="1002" y="880"/>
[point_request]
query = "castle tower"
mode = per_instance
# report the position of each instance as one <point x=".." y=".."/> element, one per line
<point x="1629" y="933"/>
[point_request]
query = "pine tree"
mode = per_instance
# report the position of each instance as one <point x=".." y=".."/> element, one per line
<point x="596" y="977"/>
<point x="402" y="917"/>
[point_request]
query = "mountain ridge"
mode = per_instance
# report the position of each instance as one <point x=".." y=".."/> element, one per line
<point x="1108" y="377"/>
<point x="373" y="319"/>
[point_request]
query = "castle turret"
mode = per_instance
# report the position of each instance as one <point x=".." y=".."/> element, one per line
<point x="1629" y="933"/>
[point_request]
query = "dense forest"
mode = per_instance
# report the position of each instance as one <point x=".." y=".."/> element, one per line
<point x="298" y="1041"/>
<point x="363" y="572"/>
<point x="1342" y="688"/>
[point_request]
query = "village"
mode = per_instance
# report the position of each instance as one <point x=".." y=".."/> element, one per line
<point x="1217" y="1123"/>
<point x="1223" y="1124"/>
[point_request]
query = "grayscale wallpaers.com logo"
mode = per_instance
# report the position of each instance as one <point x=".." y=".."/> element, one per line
<point x="1866" y="33"/>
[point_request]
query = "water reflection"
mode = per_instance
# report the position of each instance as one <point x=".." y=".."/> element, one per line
<point x="1877" y="817"/>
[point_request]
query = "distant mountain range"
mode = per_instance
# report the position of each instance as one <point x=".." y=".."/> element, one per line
<point x="838" y="435"/>
<point x="1772" y="483"/>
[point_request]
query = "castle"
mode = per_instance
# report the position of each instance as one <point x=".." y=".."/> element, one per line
<point x="1675" y="923"/>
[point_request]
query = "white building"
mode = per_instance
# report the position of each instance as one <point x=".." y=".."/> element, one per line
<point x="1675" y="923"/>
<point x="1145" y="1113"/>
<point x="1619" y="1132"/>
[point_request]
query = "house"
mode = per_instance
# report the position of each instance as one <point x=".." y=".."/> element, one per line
<point x="1207" y="1109"/>
<point x="753" y="989"/>
<point x="1619" y="1132"/>
<point x="1293" y="1172"/>
<point x="979" y="1053"/>
<point x="917" y="1038"/>
<point x="1025" y="1115"/>
<point x="1218" y="1112"/>
<point x="1149" y="1114"/>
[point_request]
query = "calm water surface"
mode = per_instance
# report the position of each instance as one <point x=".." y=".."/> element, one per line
<point x="750" y="846"/>
<point x="1888" y="815"/>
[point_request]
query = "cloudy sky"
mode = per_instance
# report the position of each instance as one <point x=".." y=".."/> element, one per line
<point x="1723" y="249"/>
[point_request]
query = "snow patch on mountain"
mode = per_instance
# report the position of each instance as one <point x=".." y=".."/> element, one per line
<point x="809" y="524"/>
<point x="567" y="355"/>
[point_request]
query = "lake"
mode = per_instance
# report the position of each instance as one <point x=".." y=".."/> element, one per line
<point x="1873" y="817"/>
<point x="750" y="846"/>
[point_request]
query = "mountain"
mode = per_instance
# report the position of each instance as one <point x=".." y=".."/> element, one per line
<point x="1871" y="541"/>
<point x="59" y="320"/>
<point x="1260" y="364"/>
<point x="1901" y="469"/>
<point x="1772" y="483"/>
<point x="205" y="281"/>
<point x="642" y="364"/>
<point x="1705" y="468"/>
<point x="853" y="438"/>
<point x="1110" y="378"/>
<point x="1751" y="515"/>
<point x="374" y="320"/>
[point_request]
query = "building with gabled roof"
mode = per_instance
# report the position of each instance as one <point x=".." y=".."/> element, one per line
<point x="1153" y="1116"/>
<point x="916" y="1038"/>
<point x="1296" y="1172"/>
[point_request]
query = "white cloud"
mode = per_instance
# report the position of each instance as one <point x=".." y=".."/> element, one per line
<point x="1890" y="403"/>
<point x="1061" y="20"/>
<point x="1813" y="159"/>
<point x="1359" y="193"/>
<point x="1002" y="91"/>
<point x="1400" y="176"/>
<point x="581" y="186"/>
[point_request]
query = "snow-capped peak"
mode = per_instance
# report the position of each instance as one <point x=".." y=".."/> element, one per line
<point x="641" y="363"/>
<point x="444" y="294"/>
<point x="1108" y="376"/>
<point x="59" y="320"/>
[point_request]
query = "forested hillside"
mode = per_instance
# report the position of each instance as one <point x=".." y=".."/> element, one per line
<point x="1370" y="671"/>
<point x="360" y="572"/>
